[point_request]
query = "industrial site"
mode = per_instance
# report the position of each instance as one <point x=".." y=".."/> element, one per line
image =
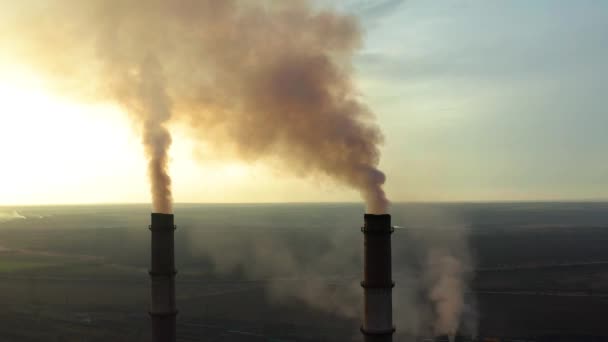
<point x="84" y="273"/>
<point x="303" y="171"/>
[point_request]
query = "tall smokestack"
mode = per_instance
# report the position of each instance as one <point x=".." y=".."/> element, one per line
<point x="377" y="279"/>
<point x="162" y="275"/>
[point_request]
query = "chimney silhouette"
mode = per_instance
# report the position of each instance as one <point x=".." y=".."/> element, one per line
<point x="377" y="279"/>
<point x="162" y="275"/>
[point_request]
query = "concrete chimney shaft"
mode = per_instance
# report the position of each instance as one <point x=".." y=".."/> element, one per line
<point x="162" y="275"/>
<point x="377" y="279"/>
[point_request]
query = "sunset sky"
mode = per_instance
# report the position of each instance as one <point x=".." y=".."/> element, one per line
<point x="478" y="100"/>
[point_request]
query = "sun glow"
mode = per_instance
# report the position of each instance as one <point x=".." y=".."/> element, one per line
<point x="54" y="150"/>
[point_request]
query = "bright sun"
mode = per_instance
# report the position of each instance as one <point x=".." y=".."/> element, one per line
<point x="55" y="150"/>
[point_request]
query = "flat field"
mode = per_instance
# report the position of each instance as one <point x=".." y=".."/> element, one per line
<point x="80" y="273"/>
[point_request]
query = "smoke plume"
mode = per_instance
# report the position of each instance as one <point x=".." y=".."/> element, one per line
<point x="306" y="260"/>
<point x="433" y="266"/>
<point x="252" y="80"/>
<point x="151" y="105"/>
<point x="445" y="273"/>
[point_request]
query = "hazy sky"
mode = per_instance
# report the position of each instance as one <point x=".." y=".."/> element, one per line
<point x="478" y="100"/>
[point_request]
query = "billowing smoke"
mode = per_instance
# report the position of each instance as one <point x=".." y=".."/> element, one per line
<point x="251" y="79"/>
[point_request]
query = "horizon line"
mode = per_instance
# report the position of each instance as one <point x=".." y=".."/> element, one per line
<point x="508" y="201"/>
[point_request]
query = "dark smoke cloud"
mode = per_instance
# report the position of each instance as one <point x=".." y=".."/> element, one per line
<point x="251" y="79"/>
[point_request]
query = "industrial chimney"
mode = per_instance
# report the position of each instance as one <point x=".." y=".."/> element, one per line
<point x="377" y="279"/>
<point x="162" y="275"/>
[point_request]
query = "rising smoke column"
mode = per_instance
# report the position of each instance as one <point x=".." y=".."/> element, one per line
<point x="434" y="265"/>
<point x="446" y="275"/>
<point x="252" y="80"/>
<point x="154" y="110"/>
